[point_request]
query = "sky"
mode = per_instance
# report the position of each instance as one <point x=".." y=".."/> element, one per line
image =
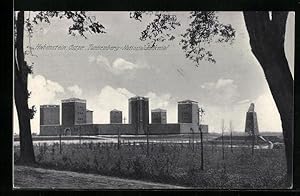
<point x="107" y="78"/>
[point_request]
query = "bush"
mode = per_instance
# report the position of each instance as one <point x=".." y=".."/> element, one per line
<point x="170" y="163"/>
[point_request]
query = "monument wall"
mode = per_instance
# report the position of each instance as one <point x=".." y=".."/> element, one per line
<point x="114" y="129"/>
<point x="164" y="128"/>
<point x="49" y="130"/>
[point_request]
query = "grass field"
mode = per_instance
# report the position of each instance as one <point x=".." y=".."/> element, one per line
<point x="177" y="164"/>
<point x="39" y="178"/>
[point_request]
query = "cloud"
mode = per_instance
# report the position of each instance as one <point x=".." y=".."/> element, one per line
<point x="267" y="113"/>
<point x="118" y="66"/>
<point x="108" y="99"/>
<point x="221" y="92"/>
<point x="121" y="64"/>
<point x="49" y="92"/>
<point x="43" y="91"/>
<point x="268" y="116"/>
<point x="75" y="90"/>
<point x="91" y="59"/>
<point x="243" y="101"/>
<point x="223" y="83"/>
<point x="101" y="59"/>
<point x="208" y="85"/>
<point x="163" y="101"/>
<point x="156" y="101"/>
<point x="111" y="98"/>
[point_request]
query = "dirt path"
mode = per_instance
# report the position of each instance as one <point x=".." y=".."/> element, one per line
<point x="29" y="177"/>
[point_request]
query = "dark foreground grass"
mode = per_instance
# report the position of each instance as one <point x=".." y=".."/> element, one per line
<point x="177" y="164"/>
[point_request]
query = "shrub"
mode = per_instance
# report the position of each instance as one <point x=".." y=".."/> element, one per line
<point x="170" y="163"/>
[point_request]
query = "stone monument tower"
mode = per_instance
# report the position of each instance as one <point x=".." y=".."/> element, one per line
<point x="251" y="126"/>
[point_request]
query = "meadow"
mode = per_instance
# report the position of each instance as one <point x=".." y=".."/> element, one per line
<point x="178" y="164"/>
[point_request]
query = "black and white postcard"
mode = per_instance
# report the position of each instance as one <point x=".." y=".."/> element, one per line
<point x="153" y="99"/>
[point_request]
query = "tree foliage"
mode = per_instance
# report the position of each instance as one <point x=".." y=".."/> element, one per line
<point x="203" y="29"/>
<point x="158" y="30"/>
<point x="81" y="22"/>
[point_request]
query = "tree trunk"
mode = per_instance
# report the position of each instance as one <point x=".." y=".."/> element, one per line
<point x="267" y="43"/>
<point x="21" y="95"/>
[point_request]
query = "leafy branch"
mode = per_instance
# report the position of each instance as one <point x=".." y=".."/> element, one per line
<point x="81" y="22"/>
<point x="158" y="30"/>
<point x="203" y="29"/>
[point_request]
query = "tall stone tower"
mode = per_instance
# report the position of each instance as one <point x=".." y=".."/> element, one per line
<point x="159" y="116"/>
<point x="139" y="113"/>
<point x="188" y="112"/>
<point x="251" y="126"/>
<point x="116" y="117"/>
<point x="89" y="117"/>
<point x="73" y="111"/>
<point x="49" y="115"/>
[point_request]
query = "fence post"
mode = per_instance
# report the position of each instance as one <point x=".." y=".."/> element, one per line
<point x="60" y="140"/>
<point x="118" y="138"/>
<point x="79" y="135"/>
<point x="231" y="142"/>
<point x="231" y="149"/>
<point x="192" y="139"/>
<point x="147" y="135"/>
<point x="253" y="143"/>
<point x="223" y="156"/>
<point x="201" y="144"/>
